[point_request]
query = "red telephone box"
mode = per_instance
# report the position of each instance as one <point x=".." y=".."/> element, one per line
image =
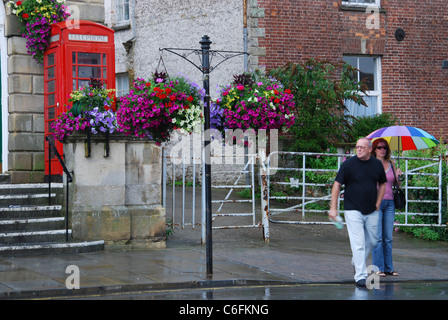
<point x="76" y="53"/>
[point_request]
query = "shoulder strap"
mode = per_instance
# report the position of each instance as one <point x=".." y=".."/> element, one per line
<point x="392" y="166"/>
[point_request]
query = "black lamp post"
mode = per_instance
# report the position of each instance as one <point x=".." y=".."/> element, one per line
<point x="206" y="56"/>
<point x="205" y="47"/>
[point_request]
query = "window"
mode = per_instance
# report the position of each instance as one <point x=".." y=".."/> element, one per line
<point x="122" y="84"/>
<point x="362" y="2"/>
<point x="122" y="11"/>
<point x="370" y="73"/>
<point x="86" y="65"/>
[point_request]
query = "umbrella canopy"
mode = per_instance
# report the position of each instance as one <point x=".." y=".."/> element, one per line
<point x="402" y="138"/>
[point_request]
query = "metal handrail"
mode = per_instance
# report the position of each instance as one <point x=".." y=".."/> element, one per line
<point x="52" y="146"/>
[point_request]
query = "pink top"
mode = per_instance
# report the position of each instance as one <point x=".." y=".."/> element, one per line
<point x="388" y="195"/>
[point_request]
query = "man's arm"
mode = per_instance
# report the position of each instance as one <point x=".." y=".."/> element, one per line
<point x="381" y="191"/>
<point x="334" y="200"/>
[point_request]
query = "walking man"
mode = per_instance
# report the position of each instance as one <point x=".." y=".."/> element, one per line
<point x="365" y="183"/>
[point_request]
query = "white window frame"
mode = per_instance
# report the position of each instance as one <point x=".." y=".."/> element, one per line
<point x="377" y="3"/>
<point x="121" y="6"/>
<point x="122" y="84"/>
<point x="377" y="78"/>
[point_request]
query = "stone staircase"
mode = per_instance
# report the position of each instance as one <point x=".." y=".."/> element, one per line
<point x="29" y="225"/>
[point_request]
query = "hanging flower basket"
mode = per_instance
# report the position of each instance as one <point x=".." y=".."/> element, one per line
<point x="255" y="102"/>
<point x="153" y="109"/>
<point x="92" y="111"/>
<point x="36" y="17"/>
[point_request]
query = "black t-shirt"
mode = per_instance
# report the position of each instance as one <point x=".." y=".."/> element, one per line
<point x="361" y="178"/>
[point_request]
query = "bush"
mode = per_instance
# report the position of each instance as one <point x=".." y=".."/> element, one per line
<point x="423" y="181"/>
<point x="320" y="91"/>
<point x="363" y="126"/>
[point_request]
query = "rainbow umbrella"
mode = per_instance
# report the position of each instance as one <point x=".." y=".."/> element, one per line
<point x="402" y="138"/>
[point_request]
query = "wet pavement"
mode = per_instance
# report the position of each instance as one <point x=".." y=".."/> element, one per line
<point x="290" y="293"/>
<point x="311" y="261"/>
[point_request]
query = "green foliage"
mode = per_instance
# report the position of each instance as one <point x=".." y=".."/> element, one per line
<point x="426" y="233"/>
<point x="169" y="228"/>
<point x="423" y="193"/>
<point x="363" y="126"/>
<point x="289" y="183"/>
<point x="320" y="90"/>
<point x="247" y="193"/>
<point x="92" y="96"/>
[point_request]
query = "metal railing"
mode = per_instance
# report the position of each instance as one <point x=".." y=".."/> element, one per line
<point x="302" y="179"/>
<point x="235" y="176"/>
<point x="52" y="146"/>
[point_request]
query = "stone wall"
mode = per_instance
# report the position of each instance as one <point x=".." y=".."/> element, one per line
<point x="116" y="197"/>
<point x="26" y="97"/>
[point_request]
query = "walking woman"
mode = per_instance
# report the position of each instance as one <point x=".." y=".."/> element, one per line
<point x="382" y="253"/>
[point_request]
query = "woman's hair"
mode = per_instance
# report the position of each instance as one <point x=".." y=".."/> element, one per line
<point x="375" y="143"/>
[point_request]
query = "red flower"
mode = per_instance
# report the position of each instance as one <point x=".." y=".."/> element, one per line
<point x="19" y="3"/>
<point x="168" y="90"/>
<point x="25" y="16"/>
<point x="113" y="98"/>
<point x="288" y="91"/>
<point x="190" y="99"/>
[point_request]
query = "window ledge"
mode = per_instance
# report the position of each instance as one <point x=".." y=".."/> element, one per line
<point x="358" y="8"/>
<point x="121" y="26"/>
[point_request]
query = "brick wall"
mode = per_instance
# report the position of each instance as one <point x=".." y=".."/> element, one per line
<point x="413" y="81"/>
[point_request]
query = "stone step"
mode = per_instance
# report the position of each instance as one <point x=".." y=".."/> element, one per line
<point x="30" y="224"/>
<point x="18" y="225"/>
<point x="30" y="249"/>
<point x="34" y="236"/>
<point x="5" y="178"/>
<point x="7" y="200"/>
<point x="30" y="188"/>
<point x="32" y="212"/>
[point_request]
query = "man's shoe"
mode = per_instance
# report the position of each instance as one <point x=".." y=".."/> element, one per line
<point x="361" y="283"/>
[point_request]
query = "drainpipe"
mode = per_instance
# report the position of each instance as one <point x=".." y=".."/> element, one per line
<point x="246" y="67"/>
<point x="131" y="43"/>
<point x="246" y="59"/>
<point x="132" y="16"/>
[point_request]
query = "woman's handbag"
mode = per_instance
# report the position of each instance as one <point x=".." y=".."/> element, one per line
<point x="399" y="196"/>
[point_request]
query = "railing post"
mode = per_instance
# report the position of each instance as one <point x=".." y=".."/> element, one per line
<point x="49" y="171"/>
<point x="66" y="213"/>
<point x="68" y="177"/>
<point x="264" y="194"/>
